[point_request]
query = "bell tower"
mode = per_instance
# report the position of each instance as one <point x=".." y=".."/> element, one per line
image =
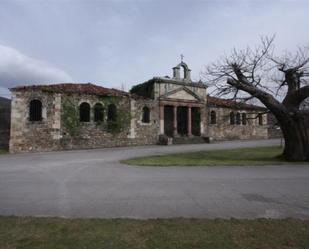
<point x="186" y="71"/>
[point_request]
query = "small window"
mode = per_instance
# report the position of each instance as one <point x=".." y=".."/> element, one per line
<point x="244" y="118"/>
<point x="238" y="119"/>
<point x="213" y="117"/>
<point x="84" y="112"/>
<point x="232" y="118"/>
<point x="260" y="117"/>
<point x="98" y="113"/>
<point x="35" y="110"/>
<point x="146" y="115"/>
<point x="112" y="113"/>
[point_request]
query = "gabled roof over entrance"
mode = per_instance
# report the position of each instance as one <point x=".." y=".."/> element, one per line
<point x="181" y="93"/>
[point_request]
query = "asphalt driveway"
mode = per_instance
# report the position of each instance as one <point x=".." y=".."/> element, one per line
<point x="92" y="183"/>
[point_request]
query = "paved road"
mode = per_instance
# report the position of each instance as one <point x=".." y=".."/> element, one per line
<point x="92" y="183"/>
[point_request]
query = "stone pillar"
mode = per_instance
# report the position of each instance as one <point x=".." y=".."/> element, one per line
<point x="161" y="119"/>
<point x="175" y="121"/>
<point x="176" y="72"/>
<point x="56" y="118"/>
<point x="188" y="74"/>
<point x="132" y="133"/>
<point x="203" y="120"/>
<point x="189" y="121"/>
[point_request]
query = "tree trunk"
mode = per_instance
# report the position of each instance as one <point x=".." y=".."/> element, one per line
<point x="296" y="136"/>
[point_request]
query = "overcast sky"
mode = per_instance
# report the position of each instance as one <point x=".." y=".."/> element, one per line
<point x="114" y="43"/>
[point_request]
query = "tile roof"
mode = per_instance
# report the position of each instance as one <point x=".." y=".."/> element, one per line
<point x="227" y="103"/>
<point x="84" y="88"/>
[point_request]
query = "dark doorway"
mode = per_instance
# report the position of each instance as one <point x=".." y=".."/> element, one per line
<point x="182" y="120"/>
<point x="196" y="120"/>
<point x="168" y="120"/>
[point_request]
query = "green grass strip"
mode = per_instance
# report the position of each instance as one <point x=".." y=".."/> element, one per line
<point x="257" y="156"/>
<point x="51" y="233"/>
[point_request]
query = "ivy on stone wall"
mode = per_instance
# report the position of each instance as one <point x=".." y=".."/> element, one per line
<point x="122" y="119"/>
<point x="70" y="118"/>
<point x="145" y="89"/>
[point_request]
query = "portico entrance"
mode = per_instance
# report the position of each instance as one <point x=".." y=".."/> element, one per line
<point x="180" y="120"/>
<point x="168" y="120"/>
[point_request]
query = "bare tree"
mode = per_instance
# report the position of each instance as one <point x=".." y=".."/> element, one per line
<point x="280" y="83"/>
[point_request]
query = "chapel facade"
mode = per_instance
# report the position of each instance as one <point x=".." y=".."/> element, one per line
<point x="161" y="110"/>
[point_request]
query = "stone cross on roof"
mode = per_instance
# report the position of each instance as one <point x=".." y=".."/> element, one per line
<point x="181" y="57"/>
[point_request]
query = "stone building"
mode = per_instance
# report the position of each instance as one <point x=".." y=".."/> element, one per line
<point x="75" y="116"/>
<point x="5" y="119"/>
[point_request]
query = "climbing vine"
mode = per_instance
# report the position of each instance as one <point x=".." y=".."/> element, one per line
<point x="122" y="117"/>
<point x="145" y="89"/>
<point x="70" y="118"/>
<point x="119" y="123"/>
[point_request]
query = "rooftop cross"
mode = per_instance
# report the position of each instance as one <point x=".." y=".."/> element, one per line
<point x="181" y="56"/>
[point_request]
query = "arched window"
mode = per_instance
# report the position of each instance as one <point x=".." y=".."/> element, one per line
<point x="84" y="112"/>
<point x="213" y="117"/>
<point x="260" y="117"/>
<point x="244" y="118"/>
<point x="35" y="110"/>
<point x="146" y="115"/>
<point x="238" y="119"/>
<point x="98" y="112"/>
<point x="232" y="118"/>
<point x="112" y="113"/>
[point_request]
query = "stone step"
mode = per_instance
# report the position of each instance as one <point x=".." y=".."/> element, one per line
<point x="190" y="140"/>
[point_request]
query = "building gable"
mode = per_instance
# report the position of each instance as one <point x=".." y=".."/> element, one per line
<point x="181" y="93"/>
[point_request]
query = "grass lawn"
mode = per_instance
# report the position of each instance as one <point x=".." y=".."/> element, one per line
<point x="55" y="233"/>
<point x="243" y="156"/>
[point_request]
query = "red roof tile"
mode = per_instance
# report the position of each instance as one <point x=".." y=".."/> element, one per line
<point x="227" y="103"/>
<point x="84" y="88"/>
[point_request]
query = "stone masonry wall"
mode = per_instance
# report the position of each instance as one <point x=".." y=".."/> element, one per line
<point x="51" y="133"/>
<point x="92" y="135"/>
<point x="34" y="136"/>
<point x="223" y="130"/>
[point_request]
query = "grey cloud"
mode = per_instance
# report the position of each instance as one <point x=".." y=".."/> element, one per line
<point x="17" y="68"/>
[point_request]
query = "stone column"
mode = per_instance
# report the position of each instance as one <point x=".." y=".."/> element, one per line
<point x="203" y="120"/>
<point x="175" y="121"/>
<point x="161" y="119"/>
<point x="132" y="133"/>
<point x="188" y="74"/>
<point x="176" y="73"/>
<point x="189" y="120"/>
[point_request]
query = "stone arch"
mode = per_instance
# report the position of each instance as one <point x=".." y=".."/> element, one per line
<point x="260" y="118"/>
<point x="244" y="118"/>
<point x="232" y="118"/>
<point x="98" y="110"/>
<point x="146" y="115"/>
<point x="238" y="118"/>
<point x="213" y="117"/>
<point x="184" y="68"/>
<point x="84" y="112"/>
<point x="112" y="113"/>
<point x="186" y="71"/>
